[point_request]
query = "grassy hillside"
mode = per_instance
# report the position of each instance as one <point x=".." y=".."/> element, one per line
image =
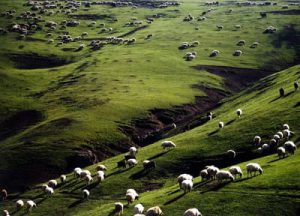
<point x="76" y="100"/>
<point x="273" y="193"/>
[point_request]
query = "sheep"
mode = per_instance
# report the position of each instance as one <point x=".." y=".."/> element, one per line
<point x="214" y="53"/>
<point x="224" y="175"/>
<point x="187" y="185"/>
<point x="219" y="27"/>
<point x="239" y="112"/>
<point x="237" y="53"/>
<point x="131" y="195"/>
<point x="19" y="204"/>
<point x="85" y="194"/>
<point x="241" y="43"/>
<point x="63" y="178"/>
<point x="119" y="208"/>
<point x="192" y="212"/>
<point x="265" y="148"/>
<point x="254" y="45"/>
<point x="236" y="170"/>
<point x="85" y="173"/>
<point x="221" y="125"/>
<point x="168" y="144"/>
<point x="257" y="140"/>
<point x="231" y="153"/>
<point x="101" y="167"/>
<point x="5" y="213"/>
<point x="281" y="92"/>
<point x="49" y="191"/>
<point x="189" y="56"/>
<point x="154" y="211"/>
<point x="4" y="194"/>
<point x="290" y="147"/>
<point x="204" y="174"/>
<point x="209" y="115"/>
<point x="238" y="27"/>
<point x="149" y="164"/>
<point x="296" y="85"/>
<point x="263" y="14"/>
<point x="273" y="143"/>
<point x="281" y="152"/>
<point x="184" y="45"/>
<point x="195" y="43"/>
<point x="30" y="205"/>
<point x="279" y="133"/>
<point x="286" y="126"/>
<point x="77" y="172"/>
<point x="52" y="183"/>
<point x="132" y="162"/>
<point x="253" y="167"/>
<point x="183" y="177"/>
<point x="88" y="179"/>
<point x="285" y="7"/>
<point x="138" y="209"/>
<point x="121" y="164"/>
<point x="286" y="134"/>
<point x="100" y="176"/>
<point x="127" y="157"/>
<point x="133" y="151"/>
<point x="276" y="137"/>
<point x="270" y="30"/>
<point x="212" y="171"/>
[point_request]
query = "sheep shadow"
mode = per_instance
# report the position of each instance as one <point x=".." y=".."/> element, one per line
<point x="71" y="183"/>
<point x="216" y="187"/>
<point x="275" y="99"/>
<point x="277" y="159"/>
<point x="119" y="171"/>
<point x="174" y="199"/>
<point x="158" y="155"/>
<point x="230" y="122"/>
<point x="213" y="132"/>
<point x="202" y="183"/>
<point x="241" y="180"/>
<point x="75" y="203"/>
<point x="173" y="192"/>
<point x="139" y="174"/>
<point x="93" y="185"/>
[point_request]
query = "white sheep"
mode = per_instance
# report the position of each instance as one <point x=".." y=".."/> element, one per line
<point x="204" y="174"/>
<point x="253" y="167"/>
<point x="154" y="211"/>
<point x="237" y="53"/>
<point x="131" y="195"/>
<point x="257" y="140"/>
<point x="231" y="153"/>
<point x="63" y="178"/>
<point x="221" y="124"/>
<point x="276" y="137"/>
<point x="236" y="170"/>
<point x="286" y="134"/>
<point x="5" y="213"/>
<point x="132" y="151"/>
<point x="212" y="171"/>
<point x="85" y="194"/>
<point x="88" y="179"/>
<point x="132" y="162"/>
<point x="100" y="176"/>
<point x="239" y="112"/>
<point x="49" y="191"/>
<point x="192" y="212"/>
<point x="281" y="152"/>
<point x="214" y="53"/>
<point x="183" y="177"/>
<point x="168" y="144"/>
<point x="286" y="126"/>
<point x="85" y="173"/>
<point x="101" y="167"/>
<point x="265" y="147"/>
<point x="77" y="172"/>
<point x="30" y="205"/>
<point x="279" y="133"/>
<point x="254" y="45"/>
<point x="52" y="183"/>
<point x="290" y="147"/>
<point x="187" y="185"/>
<point x="138" y="208"/>
<point x="119" y="208"/>
<point x="224" y="175"/>
<point x="19" y="204"/>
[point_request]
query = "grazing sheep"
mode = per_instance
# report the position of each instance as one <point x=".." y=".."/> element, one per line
<point x="239" y="112"/>
<point x="214" y="53"/>
<point x="30" y="205"/>
<point x="49" y="191"/>
<point x="253" y="167"/>
<point x="221" y="124"/>
<point x="85" y="173"/>
<point x="286" y="126"/>
<point x="131" y="195"/>
<point x="257" y="140"/>
<point x="286" y="134"/>
<point x="296" y="85"/>
<point x="236" y="170"/>
<point x="88" y="179"/>
<point x="52" y="183"/>
<point x="254" y="45"/>
<point x="85" y="194"/>
<point x="290" y="147"/>
<point x="119" y="208"/>
<point x="132" y="162"/>
<point x="189" y="56"/>
<point x="209" y="115"/>
<point x="238" y="27"/>
<point x="183" y="177"/>
<point x="63" y="178"/>
<point x="224" y="175"/>
<point x="276" y="137"/>
<point x="132" y="151"/>
<point x="273" y="143"/>
<point x="270" y="30"/>
<point x="231" y="153"/>
<point x="195" y="43"/>
<point x="149" y="164"/>
<point x="100" y="176"/>
<point x="219" y="27"/>
<point x="265" y="148"/>
<point x="168" y="144"/>
<point x="4" y="194"/>
<point x="204" y="174"/>
<point x="192" y="212"/>
<point x="154" y="211"/>
<point x="184" y="45"/>
<point x="279" y="133"/>
<point x="212" y="171"/>
<point x="281" y="92"/>
<point x="263" y="14"/>
<point x="187" y="185"/>
<point x="237" y="53"/>
<point x="281" y="152"/>
<point x="101" y="167"/>
<point x="77" y="172"/>
<point x="127" y="157"/>
<point x="5" y="213"/>
<point x="121" y="164"/>
<point x="138" y="209"/>
<point x="241" y="43"/>
<point x="19" y="204"/>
